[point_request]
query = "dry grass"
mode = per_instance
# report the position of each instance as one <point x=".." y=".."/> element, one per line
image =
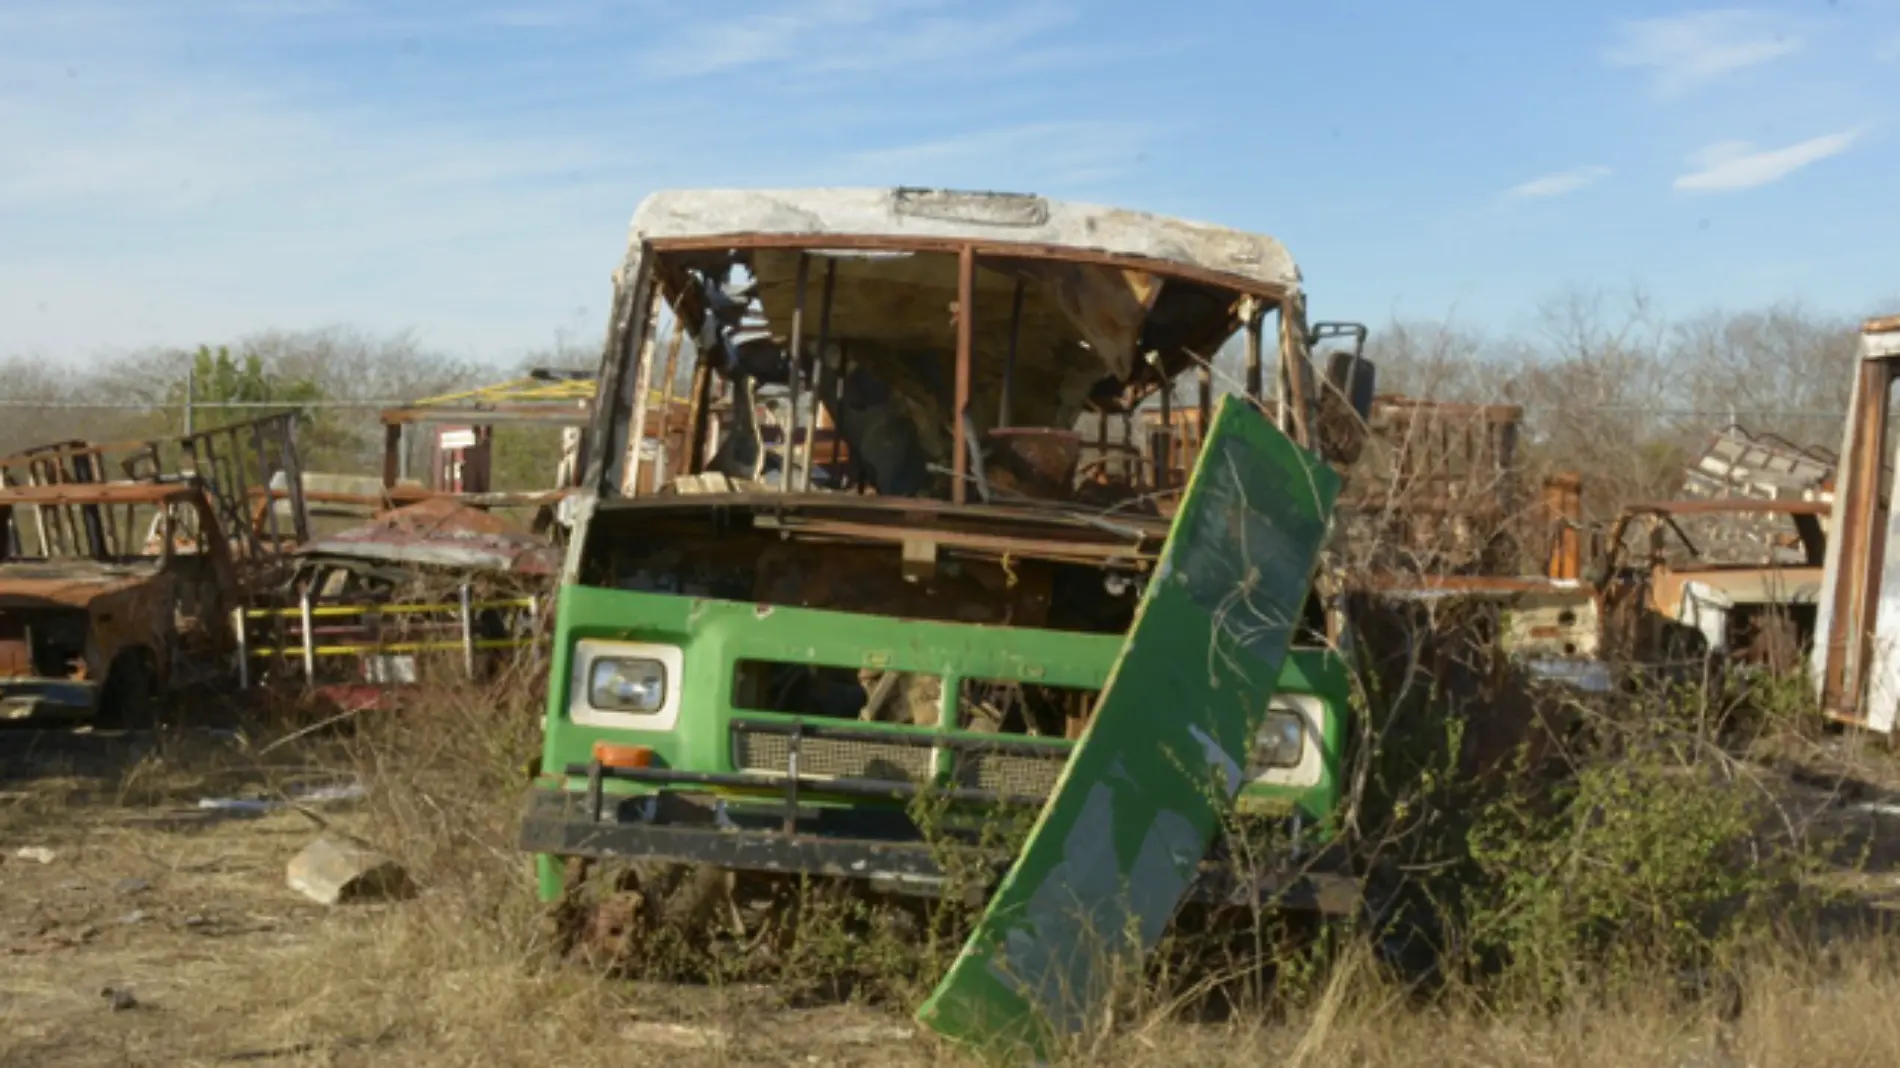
<point x="230" y="967"/>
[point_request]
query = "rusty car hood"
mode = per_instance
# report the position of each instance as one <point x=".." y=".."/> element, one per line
<point x="443" y="533"/>
<point x="76" y="583"/>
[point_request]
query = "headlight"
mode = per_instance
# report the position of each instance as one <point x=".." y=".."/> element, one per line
<point x="626" y="684"/>
<point x="1281" y="740"/>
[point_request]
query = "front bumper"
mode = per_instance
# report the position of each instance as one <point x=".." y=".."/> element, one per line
<point x="22" y="699"/>
<point x="878" y="847"/>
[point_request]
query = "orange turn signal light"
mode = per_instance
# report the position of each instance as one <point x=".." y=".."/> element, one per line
<point x="610" y="755"/>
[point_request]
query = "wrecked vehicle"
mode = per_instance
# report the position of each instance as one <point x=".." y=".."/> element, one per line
<point x="766" y="664"/>
<point x="1721" y="580"/>
<point x="364" y="609"/>
<point x="1853" y="669"/>
<point x="94" y="627"/>
<point x="114" y="592"/>
<point x="1444" y="554"/>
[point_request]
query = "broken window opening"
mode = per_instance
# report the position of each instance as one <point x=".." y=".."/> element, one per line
<point x="1010" y="706"/>
<point x="875" y="400"/>
<point x="868" y="695"/>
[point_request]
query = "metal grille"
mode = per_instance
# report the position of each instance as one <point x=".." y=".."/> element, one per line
<point x="1011" y="774"/>
<point x="830" y="757"/>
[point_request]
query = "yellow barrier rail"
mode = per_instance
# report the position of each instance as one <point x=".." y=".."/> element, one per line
<point x="308" y="651"/>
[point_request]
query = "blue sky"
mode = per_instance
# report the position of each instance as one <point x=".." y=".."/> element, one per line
<point x="177" y="172"/>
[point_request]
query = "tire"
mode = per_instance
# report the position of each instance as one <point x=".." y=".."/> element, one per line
<point x="130" y="699"/>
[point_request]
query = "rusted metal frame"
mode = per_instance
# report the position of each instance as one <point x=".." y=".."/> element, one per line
<point x="966" y="342"/>
<point x="415" y="495"/>
<point x="239" y="485"/>
<point x="788" y="450"/>
<point x="1563" y="517"/>
<point x="983" y="248"/>
<point x="563" y="414"/>
<point x="1254" y="380"/>
<point x="293" y="476"/>
<point x="103" y="493"/>
<point x="1295" y="361"/>
<point x="633" y="298"/>
<point x="270" y="505"/>
<point x="699" y="417"/>
<point x="1014" y="546"/>
<point x="392" y="454"/>
<point x="642" y="387"/>
<point x="1004" y="405"/>
<point x="906" y="509"/>
<point x="665" y="460"/>
<point x="1735" y="506"/>
<point x="91" y="523"/>
<point x="1862" y="553"/>
<point x="821" y="388"/>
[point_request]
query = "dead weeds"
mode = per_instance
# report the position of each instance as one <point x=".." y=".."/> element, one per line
<point x="185" y="910"/>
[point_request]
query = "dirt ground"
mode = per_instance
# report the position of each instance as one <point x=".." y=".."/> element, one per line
<point x="138" y="928"/>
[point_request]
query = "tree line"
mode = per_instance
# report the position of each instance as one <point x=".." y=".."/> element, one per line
<point x="1612" y="388"/>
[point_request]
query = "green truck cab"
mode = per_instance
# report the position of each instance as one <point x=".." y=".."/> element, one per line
<point x="866" y="521"/>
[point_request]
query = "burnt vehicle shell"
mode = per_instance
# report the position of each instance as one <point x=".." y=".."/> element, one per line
<point x="96" y="635"/>
<point x="438" y="572"/>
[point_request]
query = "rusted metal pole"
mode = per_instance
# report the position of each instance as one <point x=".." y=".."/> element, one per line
<point x="1294" y="360"/>
<point x="1859" y="525"/>
<point x="642" y="390"/>
<point x="823" y="379"/>
<point x="666" y="401"/>
<point x="1253" y="380"/>
<point x="392" y="455"/>
<point x="1009" y="363"/>
<point x="788" y="454"/>
<point x="966" y="341"/>
<point x="698" y="418"/>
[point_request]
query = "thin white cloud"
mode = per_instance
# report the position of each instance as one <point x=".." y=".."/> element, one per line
<point x="1558" y="184"/>
<point x="1731" y="165"/>
<point x="834" y="36"/>
<point x="1682" y="52"/>
<point x="200" y="175"/>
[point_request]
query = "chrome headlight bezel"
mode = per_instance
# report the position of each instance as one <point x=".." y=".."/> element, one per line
<point x="631" y="684"/>
<point x="585" y="706"/>
<point x="1307" y="769"/>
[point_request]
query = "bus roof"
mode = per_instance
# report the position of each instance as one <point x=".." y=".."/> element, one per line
<point x="940" y="214"/>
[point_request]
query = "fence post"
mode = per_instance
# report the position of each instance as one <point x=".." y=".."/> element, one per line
<point x="243" y="649"/>
<point x="191" y="396"/>
<point x="309" y="638"/>
<point x="468" y="635"/>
